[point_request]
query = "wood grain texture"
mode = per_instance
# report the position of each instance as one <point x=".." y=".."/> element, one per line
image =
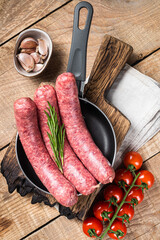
<point x="22" y="14"/>
<point x="152" y="234"/>
<point x="110" y="59"/>
<point x="144" y="225"/>
<point x="134" y="22"/>
<point x="152" y="147"/>
<point x="60" y="229"/>
<point x="17" y="216"/>
<point x="150" y="66"/>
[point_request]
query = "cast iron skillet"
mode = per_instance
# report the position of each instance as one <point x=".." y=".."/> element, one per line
<point x="97" y="122"/>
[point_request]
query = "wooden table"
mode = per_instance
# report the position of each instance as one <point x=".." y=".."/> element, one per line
<point x="134" y="22"/>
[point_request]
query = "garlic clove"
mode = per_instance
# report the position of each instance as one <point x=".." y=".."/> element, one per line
<point x="38" y="67"/>
<point x="37" y="49"/>
<point x="28" y="50"/>
<point x="28" y="43"/>
<point x="36" y="57"/>
<point x="41" y="60"/>
<point x="43" y="57"/>
<point x="43" y="48"/>
<point x="26" y="61"/>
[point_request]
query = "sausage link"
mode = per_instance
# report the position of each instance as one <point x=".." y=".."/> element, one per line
<point x="27" y="125"/>
<point x="77" y="132"/>
<point x="73" y="169"/>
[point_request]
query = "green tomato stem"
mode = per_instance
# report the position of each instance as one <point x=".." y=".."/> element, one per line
<point x="92" y="233"/>
<point x="119" y="207"/>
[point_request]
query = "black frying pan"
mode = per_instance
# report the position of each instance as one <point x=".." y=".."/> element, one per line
<point x="97" y="122"/>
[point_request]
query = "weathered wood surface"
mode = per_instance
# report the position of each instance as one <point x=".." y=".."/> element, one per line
<point x="151" y="148"/>
<point x="144" y="225"/>
<point x="150" y="66"/>
<point x="18" y="216"/>
<point x="136" y="23"/>
<point x="22" y="14"/>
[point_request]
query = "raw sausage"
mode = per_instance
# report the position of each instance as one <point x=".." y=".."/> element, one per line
<point x="77" y="132"/>
<point x="73" y="169"/>
<point x="27" y="125"/>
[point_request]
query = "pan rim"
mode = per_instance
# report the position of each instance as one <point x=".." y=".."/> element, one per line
<point x="110" y="124"/>
<point x="16" y="148"/>
<point x="114" y="138"/>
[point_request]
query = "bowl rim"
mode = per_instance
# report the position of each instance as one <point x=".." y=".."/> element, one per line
<point x="50" y="50"/>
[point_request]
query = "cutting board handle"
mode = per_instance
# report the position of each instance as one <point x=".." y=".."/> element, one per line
<point x="110" y="59"/>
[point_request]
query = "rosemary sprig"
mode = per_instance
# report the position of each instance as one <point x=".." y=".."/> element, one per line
<point x="56" y="137"/>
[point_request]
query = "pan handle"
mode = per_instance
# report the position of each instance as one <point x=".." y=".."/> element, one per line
<point x="78" y="51"/>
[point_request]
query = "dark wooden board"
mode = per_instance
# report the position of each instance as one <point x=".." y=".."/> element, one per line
<point x="110" y="59"/>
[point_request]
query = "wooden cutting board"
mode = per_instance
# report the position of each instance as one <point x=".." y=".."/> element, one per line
<point x="110" y="59"/>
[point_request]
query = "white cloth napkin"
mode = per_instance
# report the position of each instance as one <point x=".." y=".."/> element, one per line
<point x="137" y="96"/>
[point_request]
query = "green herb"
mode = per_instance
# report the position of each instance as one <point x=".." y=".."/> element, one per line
<point x="56" y="136"/>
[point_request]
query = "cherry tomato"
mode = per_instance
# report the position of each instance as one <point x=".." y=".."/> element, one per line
<point x="135" y="193"/>
<point x="100" y="209"/>
<point x="113" y="190"/>
<point x="126" y="209"/>
<point x="133" y="158"/>
<point x="145" y="177"/>
<point x="117" y="225"/>
<point x="92" y="224"/>
<point x="125" y="175"/>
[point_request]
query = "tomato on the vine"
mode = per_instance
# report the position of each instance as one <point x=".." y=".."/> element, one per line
<point x="133" y="158"/>
<point x="119" y="230"/>
<point x="135" y="193"/>
<point x="103" y="211"/>
<point x="125" y="210"/>
<point x="113" y="190"/>
<point x="123" y="175"/>
<point x="92" y="227"/>
<point x="145" y="177"/>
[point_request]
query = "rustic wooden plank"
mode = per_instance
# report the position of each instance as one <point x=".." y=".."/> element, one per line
<point x="60" y="229"/>
<point x="151" y="148"/>
<point x="110" y="59"/>
<point x="17" y="15"/>
<point x="145" y="221"/>
<point x="152" y="234"/>
<point x="150" y="66"/>
<point x="120" y="19"/>
<point x="18" y="216"/>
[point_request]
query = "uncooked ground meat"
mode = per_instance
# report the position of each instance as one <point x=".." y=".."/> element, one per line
<point x="77" y="132"/>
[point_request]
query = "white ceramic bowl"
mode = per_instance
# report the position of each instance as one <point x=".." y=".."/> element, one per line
<point x="36" y="34"/>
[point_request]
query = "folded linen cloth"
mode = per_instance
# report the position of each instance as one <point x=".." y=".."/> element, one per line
<point x="137" y="96"/>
